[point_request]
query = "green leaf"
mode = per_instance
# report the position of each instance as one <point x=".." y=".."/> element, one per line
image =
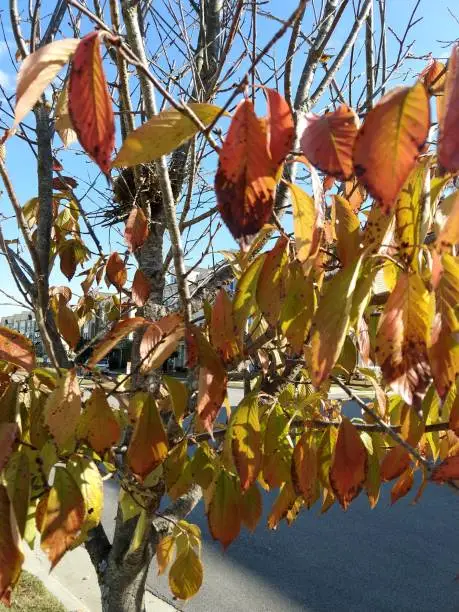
<point x="251" y="507"/>
<point x="244" y="302"/>
<point x="297" y="307"/>
<point x="162" y="134"/>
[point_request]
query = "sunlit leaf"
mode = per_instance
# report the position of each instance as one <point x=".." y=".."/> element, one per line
<point x="164" y="553"/>
<point x="88" y="479"/>
<point x="224" y="512"/>
<point x="90" y="103"/>
<point x="404" y="336"/>
<point x="271" y="285"/>
<point x="281" y="126"/>
<point x="395" y="462"/>
<point x="38" y="70"/>
<point x="222" y="327"/>
<point x="378" y="230"/>
<point x="244" y="301"/>
<point x="67" y="324"/>
<point x="448" y="142"/>
<point x="304" y="221"/>
<point x="63" y="123"/>
<point x="304" y="468"/>
<point x="115" y="272"/>
<point x="454" y="416"/>
<point x="159" y="341"/>
<point x="328" y="140"/>
<point x="434" y="76"/>
<point x="120" y="330"/>
<point x="11" y="556"/>
<point x="185" y="575"/>
<point x="16" y="348"/>
<point x="246" y="440"/>
<point x="148" y="445"/>
<point x="347" y="228"/>
<point x="350" y="464"/>
<point x="448" y="234"/>
<point x="141" y="288"/>
<point x="283" y="504"/>
<point x="98" y="425"/>
<point x="244" y="182"/>
<point x="63" y="407"/>
<point x="388" y="143"/>
<point x="298" y="307"/>
<point x="162" y="134"/>
<point x="179" y="394"/>
<point x="136" y="229"/>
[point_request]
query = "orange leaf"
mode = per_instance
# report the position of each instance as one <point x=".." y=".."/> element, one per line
<point x="281" y="126"/>
<point x="350" y="463"/>
<point x="388" y="143"/>
<point x="67" y="323"/>
<point x="244" y="182"/>
<point x="434" y="76"/>
<point x="120" y="330"/>
<point x="403" y="336"/>
<point x="224" y="512"/>
<point x="115" y="272"/>
<point x="16" y="348"/>
<point x="136" y="230"/>
<point x="63" y="516"/>
<point x="222" y="327"/>
<point x="283" y="504"/>
<point x="159" y="341"/>
<point x="347" y="231"/>
<point x="447" y="470"/>
<point x="448" y="143"/>
<point x="98" y="425"/>
<point x="11" y="556"/>
<point x="63" y="407"/>
<point x="148" y="446"/>
<point x="141" y="288"/>
<point x="271" y="285"/>
<point x="395" y="462"/>
<point x="403" y="485"/>
<point x="90" y="104"/>
<point x="304" y="468"/>
<point x="328" y="140"/>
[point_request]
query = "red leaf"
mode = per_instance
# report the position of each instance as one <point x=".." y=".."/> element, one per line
<point x="115" y="272"/>
<point x="57" y="166"/>
<point x="141" y="288"/>
<point x="448" y="145"/>
<point x="90" y="105"/>
<point x="388" y="144"/>
<point x="64" y="183"/>
<point x="244" y="182"/>
<point x="328" y="140"/>
<point x="16" y="348"/>
<point x="281" y="126"/>
<point x="136" y="230"/>
<point x="447" y="470"/>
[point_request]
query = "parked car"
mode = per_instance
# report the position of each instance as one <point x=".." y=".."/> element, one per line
<point x="103" y="367"/>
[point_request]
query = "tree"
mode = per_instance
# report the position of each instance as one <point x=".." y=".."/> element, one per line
<point x="365" y="186"/>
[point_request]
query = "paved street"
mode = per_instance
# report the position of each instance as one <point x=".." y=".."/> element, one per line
<point x="403" y="558"/>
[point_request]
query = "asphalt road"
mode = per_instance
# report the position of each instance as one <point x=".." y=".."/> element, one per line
<point x="403" y="558"/>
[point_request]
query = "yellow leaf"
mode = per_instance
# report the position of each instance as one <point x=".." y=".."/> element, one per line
<point x="63" y="407"/>
<point x="246" y="440"/>
<point x="304" y="221"/>
<point x="98" y="425"/>
<point x="297" y="307"/>
<point x="347" y="227"/>
<point x="224" y="512"/>
<point x="185" y="575"/>
<point x="162" y="134"/>
<point x="244" y="302"/>
<point x="89" y="481"/>
<point x="17" y="477"/>
<point x="164" y="552"/>
<point x="37" y="71"/>
<point x="179" y="394"/>
<point x="63" y="125"/>
<point x="283" y="504"/>
<point x="271" y="286"/>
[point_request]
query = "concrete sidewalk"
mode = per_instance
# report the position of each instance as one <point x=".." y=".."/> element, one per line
<point x="74" y="583"/>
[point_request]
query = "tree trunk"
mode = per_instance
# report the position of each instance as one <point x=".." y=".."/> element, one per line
<point x="124" y="584"/>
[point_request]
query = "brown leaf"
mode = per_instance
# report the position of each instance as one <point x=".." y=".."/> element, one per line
<point x="120" y="330"/>
<point x="98" y="424"/>
<point x="224" y="512"/>
<point x="67" y="324"/>
<point x="63" y="407"/>
<point x="328" y="140"/>
<point x="148" y="446"/>
<point x="388" y="143"/>
<point x="16" y="348"/>
<point x="447" y="470"/>
<point x="350" y="464"/>
<point x="8" y="434"/>
<point x="115" y="272"/>
<point x="141" y="288"/>
<point x="160" y="340"/>
<point x="63" y="516"/>
<point x="11" y="556"/>
<point x="136" y="230"/>
<point x="90" y="104"/>
<point x="434" y="76"/>
<point x="244" y="182"/>
<point x="448" y="142"/>
<point x="68" y="261"/>
<point x="271" y="287"/>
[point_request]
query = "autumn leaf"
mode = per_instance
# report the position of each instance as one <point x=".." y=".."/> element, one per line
<point x="403" y="485"/>
<point x="379" y="230"/>
<point x="63" y="516"/>
<point x="11" y="555"/>
<point x="98" y="425"/>
<point x="244" y="301"/>
<point x="141" y="288"/>
<point x="18" y="483"/>
<point x="88" y="479"/>
<point x="403" y="338"/>
<point x="162" y="134"/>
<point x="8" y="434"/>
<point x="115" y="272"/>
<point x="185" y="575"/>
<point x="331" y="322"/>
<point x="347" y="228"/>
<point x="63" y="407"/>
<point x="179" y="394"/>
<point x="244" y="182"/>
<point x="148" y="446"/>
<point x="37" y="71"/>
<point x="395" y="462"/>
<point x="304" y="221"/>
<point x="304" y="468"/>
<point x="16" y="348"/>
<point x="89" y="102"/>
<point x="251" y="507"/>
<point x="434" y="76"/>
<point x="454" y="416"/>
<point x="298" y="307"/>
<point x="281" y="128"/>
<point x="159" y="341"/>
<point x="444" y="351"/>
<point x="67" y="324"/>
<point x="120" y="330"/>
<point x="224" y="512"/>
<point x="246" y="440"/>
<point x="350" y="464"/>
<point x="136" y="230"/>
<point x="282" y="505"/>
<point x="448" y="233"/>
<point x="448" y="142"/>
<point x="388" y="143"/>
<point x="63" y="123"/>
<point x="327" y="141"/>
<point x="222" y="327"/>
<point x="271" y="284"/>
<point x="447" y="470"/>
<point x="68" y="259"/>
<point x="164" y="553"/>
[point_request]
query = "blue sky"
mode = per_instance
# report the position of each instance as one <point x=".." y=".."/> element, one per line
<point x="437" y="25"/>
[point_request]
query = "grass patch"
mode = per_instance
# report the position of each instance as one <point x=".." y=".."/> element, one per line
<point x="31" y="595"/>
